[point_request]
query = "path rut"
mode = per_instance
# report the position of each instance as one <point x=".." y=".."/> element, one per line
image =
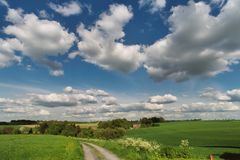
<point x="90" y="155"/>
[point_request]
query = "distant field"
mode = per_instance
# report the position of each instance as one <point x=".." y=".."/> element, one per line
<point x="87" y="125"/>
<point x="207" y="137"/>
<point x="39" y="147"/>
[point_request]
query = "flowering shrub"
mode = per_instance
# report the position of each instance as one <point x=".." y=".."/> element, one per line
<point x="140" y="144"/>
<point x="184" y="143"/>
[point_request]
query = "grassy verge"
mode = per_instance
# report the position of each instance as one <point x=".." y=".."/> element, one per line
<point x="131" y="153"/>
<point x="36" y="147"/>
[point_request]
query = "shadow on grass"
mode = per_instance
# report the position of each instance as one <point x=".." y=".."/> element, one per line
<point x="230" y="156"/>
<point x="222" y="147"/>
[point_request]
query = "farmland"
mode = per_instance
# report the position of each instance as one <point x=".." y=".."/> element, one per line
<point x="38" y="147"/>
<point x="207" y="137"/>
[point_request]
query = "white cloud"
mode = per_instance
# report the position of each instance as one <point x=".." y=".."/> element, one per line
<point x="67" y="9"/>
<point x="234" y="94"/>
<point x="62" y="100"/>
<point x="210" y="107"/>
<point x="155" y="5"/>
<point x="109" y="100"/>
<point x="7" y="49"/>
<point x="100" y="44"/>
<point x="215" y="94"/>
<point x="167" y="98"/>
<point x="29" y="111"/>
<point x="39" y="38"/>
<point x="97" y="92"/>
<point x="229" y="95"/>
<point x="4" y="2"/>
<point x="199" y="44"/>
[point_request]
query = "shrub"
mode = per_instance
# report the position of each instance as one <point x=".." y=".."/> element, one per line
<point x="86" y="133"/>
<point x="71" y="130"/>
<point x="43" y="127"/>
<point x="16" y="131"/>
<point x="7" y="130"/>
<point x="56" y="128"/>
<point x="170" y="152"/>
<point x="110" y="133"/>
<point x="183" y="151"/>
<point x="116" y="123"/>
<point x="140" y="144"/>
<point x="26" y="130"/>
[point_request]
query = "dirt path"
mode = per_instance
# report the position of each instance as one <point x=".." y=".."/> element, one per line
<point x="104" y="152"/>
<point x="88" y="153"/>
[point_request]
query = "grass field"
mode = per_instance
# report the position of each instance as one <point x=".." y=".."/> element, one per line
<point x="39" y="147"/>
<point x="207" y="137"/>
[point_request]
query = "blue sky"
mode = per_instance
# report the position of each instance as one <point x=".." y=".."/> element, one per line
<point x="152" y="57"/>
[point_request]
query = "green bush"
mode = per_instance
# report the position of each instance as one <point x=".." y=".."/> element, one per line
<point x="86" y="133"/>
<point x="43" y="127"/>
<point x="7" y="130"/>
<point x="71" y="130"/>
<point x="16" y="131"/>
<point x="183" y="151"/>
<point x="110" y="133"/>
<point x="116" y="123"/>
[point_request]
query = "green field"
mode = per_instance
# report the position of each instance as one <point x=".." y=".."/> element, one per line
<point x="207" y="137"/>
<point x="38" y="147"/>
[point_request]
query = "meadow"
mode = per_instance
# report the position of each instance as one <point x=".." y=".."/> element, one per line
<point x="206" y="137"/>
<point x="39" y="147"/>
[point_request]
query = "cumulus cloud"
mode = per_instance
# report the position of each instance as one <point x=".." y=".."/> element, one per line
<point x="62" y="100"/>
<point x="229" y="95"/>
<point x="21" y="106"/>
<point x="167" y="98"/>
<point x="155" y="5"/>
<point x="39" y="38"/>
<point x="215" y="94"/>
<point x="199" y="44"/>
<point x="97" y="92"/>
<point x="101" y="43"/>
<point x="210" y="107"/>
<point x="29" y="111"/>
<point x="234" y="94"/>
<point x="67" y="9"/>
<point x="7" y="52"/>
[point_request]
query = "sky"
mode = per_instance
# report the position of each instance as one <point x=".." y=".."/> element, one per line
<point x="88" y="60"/>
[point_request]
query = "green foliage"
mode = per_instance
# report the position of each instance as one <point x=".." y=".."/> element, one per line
<point x="71" y="130"/>
<point x="26" y="130"/>
<point x="116" y="123"/>
<point x="151" y="122"/>
<point x="43" y="127"/>
<point x="7" y="130"/>
<point x="86" y="133"/>
<point x="59" y="128"/>
<point x="109" y="133"/>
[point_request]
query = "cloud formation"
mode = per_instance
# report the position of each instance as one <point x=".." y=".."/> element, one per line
<point x="7" y="52"/>
<point x="210" y="107"/>
<point x="154" y="5"/>
<point x="229" y="95"/>
<point x="167" y="98"/>
<point x="199" y="44"/>
<point x="67" y="9"/>
<point x="101" y="44"/>
<point x="39" y="39"/>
